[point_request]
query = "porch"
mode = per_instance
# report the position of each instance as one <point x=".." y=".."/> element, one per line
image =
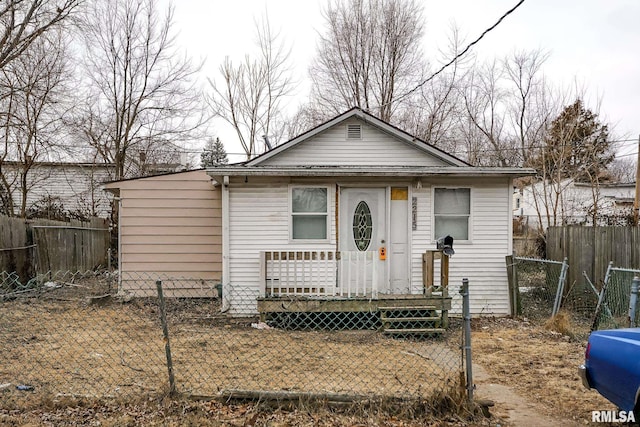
<point x="347" y="289"/>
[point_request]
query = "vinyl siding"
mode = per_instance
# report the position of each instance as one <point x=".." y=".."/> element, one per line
<point x="376" y="148"/>
<point x="259" y="221"/>
<point x="76" y="186"/>
<point x="482" y="259"/>
<point x="171" y="226"/>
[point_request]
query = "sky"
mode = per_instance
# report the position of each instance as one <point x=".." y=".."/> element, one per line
<point x="595" y="43"/>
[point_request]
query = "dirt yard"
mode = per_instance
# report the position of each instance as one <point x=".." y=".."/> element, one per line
<point x="537" y="364"/>
<point x="65" y="348"/>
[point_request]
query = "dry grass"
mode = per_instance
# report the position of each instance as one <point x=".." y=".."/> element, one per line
<point x="540" y="364"/>
<point x="106" y="364"/>
<point x="560" y="323"/>
<point x="64" y="347"/>
<point x="175" y="412"/>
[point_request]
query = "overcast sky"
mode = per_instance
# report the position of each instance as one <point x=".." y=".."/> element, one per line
<point x="593" y="42"/>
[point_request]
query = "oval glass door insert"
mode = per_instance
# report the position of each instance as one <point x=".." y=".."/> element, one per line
<point x="362" y="226"/>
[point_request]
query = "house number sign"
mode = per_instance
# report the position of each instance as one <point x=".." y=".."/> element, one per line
<point x="414" y="213"/>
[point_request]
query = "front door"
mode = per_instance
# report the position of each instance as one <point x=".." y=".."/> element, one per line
<point x="363" y="235"/>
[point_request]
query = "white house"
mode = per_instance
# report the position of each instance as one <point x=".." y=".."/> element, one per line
<point x="348" y="209"/>
<point x="75" y="186"/>
<point x="570" y="202"/>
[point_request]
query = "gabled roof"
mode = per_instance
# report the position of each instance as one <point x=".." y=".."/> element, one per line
<point x="358" y="113"/>
<point x="448" y="165"/>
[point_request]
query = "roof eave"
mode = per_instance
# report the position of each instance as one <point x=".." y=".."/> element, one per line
<point x="453" y="172"/>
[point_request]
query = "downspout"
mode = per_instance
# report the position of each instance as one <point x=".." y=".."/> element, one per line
<point x="510" y="214"/>
<point x="119" y="200"/>
<point x="225" y="244"/>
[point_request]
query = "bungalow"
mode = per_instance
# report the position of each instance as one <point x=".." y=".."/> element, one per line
<point x="343" y="218"/>
<point x="349" y="209"/>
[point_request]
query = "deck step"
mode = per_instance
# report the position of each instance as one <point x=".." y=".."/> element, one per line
<point x="408" y="308"/>
<point x="410" y="319"/>
<point x="414" y="331"/>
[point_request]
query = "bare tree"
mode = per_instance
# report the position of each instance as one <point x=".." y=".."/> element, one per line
<point x="622" y="170"/>
<point x="433" y="112"/>
<point x="305" y="118"/>
<point x="7" y="154"/>
<point x="368" y="56"/>
<point x="530" y="108"/>
<point x="484" y="104"/>
<point x="508" y="106"/>
<point x="35" y="84"/>
<point x="250" y="95"/>
<point x="142" y="91"/>
<point x="24" y="21"/>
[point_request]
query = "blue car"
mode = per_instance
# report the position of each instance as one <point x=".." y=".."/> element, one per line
<point x="612" y="367"/>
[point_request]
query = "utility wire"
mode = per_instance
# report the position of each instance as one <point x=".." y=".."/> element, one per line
<point x="621" y="142"/>
<point x="466" y="49"/>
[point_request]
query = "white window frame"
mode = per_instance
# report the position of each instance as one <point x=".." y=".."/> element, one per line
<point x="434" y="235"/>
<point x="327" y="213"/>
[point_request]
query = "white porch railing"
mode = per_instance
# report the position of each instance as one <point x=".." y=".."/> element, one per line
<point x="319" y="273"/>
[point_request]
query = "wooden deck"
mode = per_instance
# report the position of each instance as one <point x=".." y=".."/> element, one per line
<point x="312" y="304"/>
<point x="309" y="289"/>
<point x="397" y="315"/>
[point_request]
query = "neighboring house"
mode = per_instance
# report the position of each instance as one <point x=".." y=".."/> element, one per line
<point x="348" y="209"/>
<point x="169" y="227"/>
<point x="76" y="187"/>
<point x="570" y="202"/>
<point x="159" y="158"/>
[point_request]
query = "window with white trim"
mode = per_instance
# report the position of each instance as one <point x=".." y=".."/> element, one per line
<point x="309" y="213"/>
<point x="452" y="210"/>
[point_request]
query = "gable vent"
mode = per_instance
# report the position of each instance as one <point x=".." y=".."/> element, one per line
<point x="354" y="131"/>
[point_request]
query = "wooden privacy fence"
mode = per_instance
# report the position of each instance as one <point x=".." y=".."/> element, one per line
<point x="40" y="245"/>
<point x="15" y="253"/>
<point x="590" y="249"/>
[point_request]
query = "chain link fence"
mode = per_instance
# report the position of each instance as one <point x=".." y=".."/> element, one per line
<point x="614" y="303"/>
<point x="539" y="286"/>
<point x="72" y="334"/>
<point x="540" y="292"/>
<point x="95" y="334"/>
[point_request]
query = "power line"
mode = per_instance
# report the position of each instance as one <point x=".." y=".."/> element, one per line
<point x="626" y="155"/>
<point x="466" y="49"/>
<point x="626" y="141"/>
<point x="199" y="151"/>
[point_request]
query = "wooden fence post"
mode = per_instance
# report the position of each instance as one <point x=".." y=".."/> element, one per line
<point x="514" y="300"/>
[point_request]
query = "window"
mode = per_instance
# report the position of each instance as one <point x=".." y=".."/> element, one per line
<point x="452" y="210"/>
<point x="309" y="214"/>
<point x="362" y="226"/>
